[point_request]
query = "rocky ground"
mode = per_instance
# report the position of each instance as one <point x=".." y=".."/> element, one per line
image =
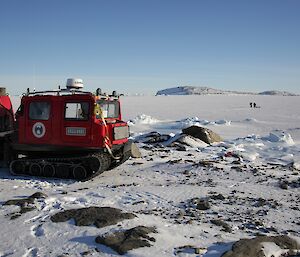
<point x="190" y="204"/>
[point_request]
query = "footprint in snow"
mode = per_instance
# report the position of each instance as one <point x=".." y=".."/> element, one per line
<point x="31" y="252"/>
<point x="37" y="231"/>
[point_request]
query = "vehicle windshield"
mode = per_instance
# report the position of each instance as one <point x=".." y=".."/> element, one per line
<point x="110" y="109"/>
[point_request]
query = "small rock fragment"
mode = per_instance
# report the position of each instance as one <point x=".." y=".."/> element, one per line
<point x="284" y="185"/>
<point x="223" y="224"/>
<point x="217" y="197"/>
<point x="203" y="205"/>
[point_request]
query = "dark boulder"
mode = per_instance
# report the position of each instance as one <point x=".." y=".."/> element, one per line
<point x="98" y="216"/>
<point x="204" y="134"/>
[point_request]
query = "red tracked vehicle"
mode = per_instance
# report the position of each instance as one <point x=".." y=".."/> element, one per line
<point x="67" y="133"/>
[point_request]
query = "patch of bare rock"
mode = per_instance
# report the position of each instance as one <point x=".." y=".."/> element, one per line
<point x="25" y="204"/>
<point x="98" y="216"/>
<point x="255" y="247"/>
<point x="120" y="241"/>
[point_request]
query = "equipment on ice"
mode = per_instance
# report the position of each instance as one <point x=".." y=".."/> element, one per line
<point x="65" y="133"/>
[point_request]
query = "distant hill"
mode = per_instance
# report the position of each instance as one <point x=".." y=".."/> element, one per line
<point x="189" y="90"/>
<point x="276" y="92"/>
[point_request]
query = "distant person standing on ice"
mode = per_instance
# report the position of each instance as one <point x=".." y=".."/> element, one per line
<point x="250" y="105"/>
<point x="254" y="105"/>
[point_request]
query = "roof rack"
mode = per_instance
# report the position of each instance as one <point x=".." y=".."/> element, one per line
<point x="101" y="95"/>
<point x="57" y="92"/>
<point x="67" y="91"/>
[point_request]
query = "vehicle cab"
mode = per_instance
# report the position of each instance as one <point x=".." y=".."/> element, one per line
<point x="70" y="120"/>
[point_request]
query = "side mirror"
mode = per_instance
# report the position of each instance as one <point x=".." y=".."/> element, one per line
<point x="98" y="91"/>
<point x="20" y="110"/>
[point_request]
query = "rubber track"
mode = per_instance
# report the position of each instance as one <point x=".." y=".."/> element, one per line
<point x="115" y="164"/>
<point x="103" y="158"/>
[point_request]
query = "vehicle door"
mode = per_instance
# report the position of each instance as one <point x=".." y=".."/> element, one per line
<point x="39" y="123"/>
<point x="77" y="122"/>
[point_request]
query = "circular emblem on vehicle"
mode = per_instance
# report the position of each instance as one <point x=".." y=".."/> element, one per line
<point x="38" y="130"/>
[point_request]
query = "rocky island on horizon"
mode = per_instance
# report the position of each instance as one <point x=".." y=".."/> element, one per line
<point x="190" y="90"/>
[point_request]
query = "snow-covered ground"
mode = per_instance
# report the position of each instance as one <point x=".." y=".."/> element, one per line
<point x="251" y="182"/>
<point x="230" y="116"/>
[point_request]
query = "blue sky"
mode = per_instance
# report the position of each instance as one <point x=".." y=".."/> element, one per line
<point x="143" y="46"/>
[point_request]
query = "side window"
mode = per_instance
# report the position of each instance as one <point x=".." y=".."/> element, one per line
<point x="39" y="111"/>
<point x="109" y="109"/>
<point x="77" y="111"/>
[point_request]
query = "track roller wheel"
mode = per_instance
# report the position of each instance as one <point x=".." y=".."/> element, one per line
<point x="62" y="171"/>
<point x="94" y="163"/>
<point x="17" y="167"/>
<point x="79" y="172"/>
<point x="48" y="170"/>
<point x="35" y="169"/>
